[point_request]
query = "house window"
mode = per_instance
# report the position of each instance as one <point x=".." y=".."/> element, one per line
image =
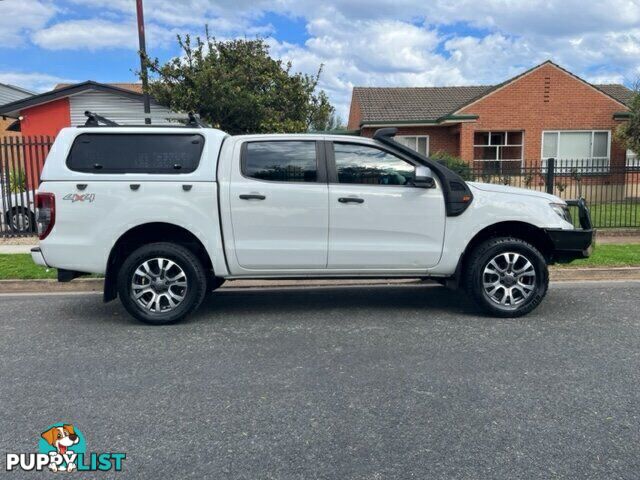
<point x="632" y="160"/>
<point x="587" y="150"/>
<point x="419" y="143"/>
<point x="498" y="152"/>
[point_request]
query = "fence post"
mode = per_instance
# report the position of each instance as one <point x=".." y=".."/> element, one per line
<point x="551" y="167"/>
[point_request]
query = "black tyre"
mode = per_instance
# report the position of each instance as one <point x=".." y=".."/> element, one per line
<point x="21" y="220"/>
<point x="506" y="277"/>
<point x="161" y="283"/>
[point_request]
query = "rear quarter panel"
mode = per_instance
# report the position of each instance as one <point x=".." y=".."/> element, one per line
<point x="89" y="221"/>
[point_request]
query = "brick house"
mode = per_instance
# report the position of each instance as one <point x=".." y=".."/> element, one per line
<point x="544" y="112"/>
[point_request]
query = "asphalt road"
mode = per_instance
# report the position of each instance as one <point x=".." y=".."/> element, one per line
<point x="340" y="383"/>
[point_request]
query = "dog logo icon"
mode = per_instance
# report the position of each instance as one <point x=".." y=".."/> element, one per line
<point x="62" y="438"/>
<point x="62" y="448"/>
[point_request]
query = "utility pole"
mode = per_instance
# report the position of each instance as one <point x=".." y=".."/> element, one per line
<point x="143" y="66"/>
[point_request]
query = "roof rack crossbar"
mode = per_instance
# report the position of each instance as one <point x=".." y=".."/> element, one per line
<point x="93" y="120"/>
<point x="195" y="121"/>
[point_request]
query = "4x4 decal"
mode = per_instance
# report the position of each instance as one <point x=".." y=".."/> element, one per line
<point x="76" y="197"/>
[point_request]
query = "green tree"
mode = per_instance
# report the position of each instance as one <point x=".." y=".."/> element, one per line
<point x="237" y="86"/>
<point x="628" y="133"/>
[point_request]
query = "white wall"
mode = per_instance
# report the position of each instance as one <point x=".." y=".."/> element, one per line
<point x="120" y="109"/>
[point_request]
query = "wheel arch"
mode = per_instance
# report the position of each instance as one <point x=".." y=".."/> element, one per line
<point x="536" y="236"/>
<point x="143" y="234"/>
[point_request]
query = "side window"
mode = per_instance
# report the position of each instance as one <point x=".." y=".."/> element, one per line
<point x="280" y="161"/>
<point x="104" y="153"/>
<point x="370" y="166"/>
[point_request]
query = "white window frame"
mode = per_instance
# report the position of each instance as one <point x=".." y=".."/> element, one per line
<point x="404" y="137"/>
<point x="632" y="160"/>
<point x="586" y="164"/>
<point x="500" y="146"/>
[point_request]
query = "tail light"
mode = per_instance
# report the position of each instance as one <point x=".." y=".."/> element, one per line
<point x="45" y="213"/>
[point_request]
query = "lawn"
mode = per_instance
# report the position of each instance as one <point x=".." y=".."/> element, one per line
<point x="22" y="267"/>
<point x="610" y="215"/>
<point x="624" y="255"/>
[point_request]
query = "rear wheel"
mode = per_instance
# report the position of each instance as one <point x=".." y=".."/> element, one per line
<point x="21" y="220"/>
<point x="507" y="277"/>
<point x="161" y="283"/>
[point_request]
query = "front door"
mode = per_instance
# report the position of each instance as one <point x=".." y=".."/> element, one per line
<point x="378" y="220"/>
<point x="279" y="210"/>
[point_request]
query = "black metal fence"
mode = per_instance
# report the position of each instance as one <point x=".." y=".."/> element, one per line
<point x="21" y="161"/>
<point x="612" y="192"/>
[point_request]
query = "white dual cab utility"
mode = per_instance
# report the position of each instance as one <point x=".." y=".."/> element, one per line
<point x="167" y="214"/>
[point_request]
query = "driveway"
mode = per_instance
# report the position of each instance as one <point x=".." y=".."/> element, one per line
<point x="337" y="383"/>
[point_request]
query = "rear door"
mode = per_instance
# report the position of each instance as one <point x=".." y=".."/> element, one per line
<point x="279" y="209"/>
<point x="378" y="220"/>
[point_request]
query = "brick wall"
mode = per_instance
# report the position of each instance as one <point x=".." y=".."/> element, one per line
<point x="546" y="99"/>
<point x="441" y="138"/>
<point x="4" y="124"/>
<point x="354" y="115"/>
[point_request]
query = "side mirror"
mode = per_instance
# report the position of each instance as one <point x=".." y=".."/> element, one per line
<point x="424" y="178"/>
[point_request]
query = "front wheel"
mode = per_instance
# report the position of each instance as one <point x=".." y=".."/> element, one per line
<point x="507" y="277"/>
<point x="161" y="283"/>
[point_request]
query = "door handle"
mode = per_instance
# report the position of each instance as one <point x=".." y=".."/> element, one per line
<point x="252" y="196"/>
<point x="351" y="200"/>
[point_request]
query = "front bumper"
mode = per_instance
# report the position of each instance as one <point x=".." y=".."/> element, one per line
<point x="569" y="245"/>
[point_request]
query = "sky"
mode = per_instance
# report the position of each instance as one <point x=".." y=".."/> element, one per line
<point x="359" y="43"/>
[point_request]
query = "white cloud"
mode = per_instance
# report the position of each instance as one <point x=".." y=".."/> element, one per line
<point x="36" y="82"/>
<point x="375" y="42"/>
<point x="369" y="52"/>
<point x="19" y="18"/>
<point x="99" y="34"/>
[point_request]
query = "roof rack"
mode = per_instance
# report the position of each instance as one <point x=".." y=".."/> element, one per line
<point x="195" y="121"/>
<point x="93" y="120"/>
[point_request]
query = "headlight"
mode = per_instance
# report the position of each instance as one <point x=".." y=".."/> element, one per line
<point x="563" y="211"/>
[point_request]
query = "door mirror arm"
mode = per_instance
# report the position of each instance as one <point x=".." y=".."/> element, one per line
<point x="423" y="178"/>
<point x="424" y="182"/>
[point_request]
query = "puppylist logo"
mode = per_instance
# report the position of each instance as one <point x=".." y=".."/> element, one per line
<point x="62" y="448"/>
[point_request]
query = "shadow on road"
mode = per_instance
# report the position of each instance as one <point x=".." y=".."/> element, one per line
<point x="347" y="298"/>
<point x="226" y="304"/>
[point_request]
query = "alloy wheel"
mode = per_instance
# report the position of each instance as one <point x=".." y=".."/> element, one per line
<point x="159" y="285"/>
<point x="509" y="279"/>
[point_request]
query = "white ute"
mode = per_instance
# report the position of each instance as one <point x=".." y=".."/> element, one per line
<point x="167" y="214"/>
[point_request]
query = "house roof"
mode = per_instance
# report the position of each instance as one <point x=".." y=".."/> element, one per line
<point x="413" y="103"/>
<point x="435" y="104"/>
<point x="18" y="89"/>
<point x="13" y="109"/>
<point x="134" y="87"/>
<point x="617" y="91"/>
<point x="11" y="93"/>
